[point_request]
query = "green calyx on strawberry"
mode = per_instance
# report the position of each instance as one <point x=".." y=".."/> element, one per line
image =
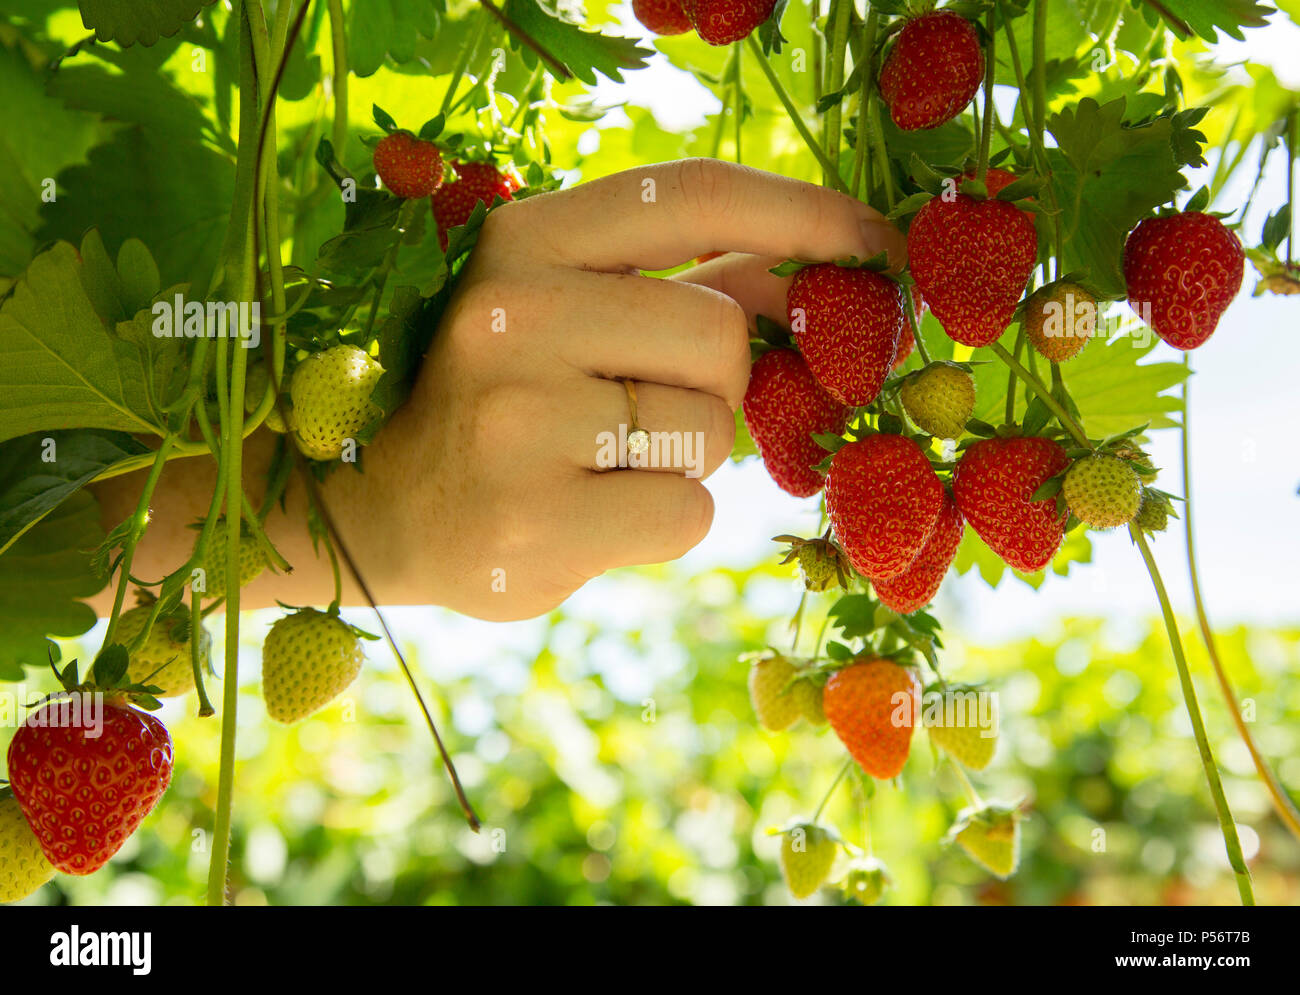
<point x="1102" y="490"/>
<point x="783" y="690"/>
<point x="164" y="660"/>
<point x="309" y="658"/>
<point x="865" y="881"/>
<point x="847" y="322"/>
<point x="872" y="704"/>
<point x="1059" y="319"/>
<point x="962" y="720"/>
<point x="252" y="560"/>
<point x="883" y="500"/>
<point x="476" y="182"/>
<point x="932" y="70"/>
<point x="23" y="865"/>
<point x="331" y="392"/>
<point x="808" y="853"/>
<point x="1154" y="510"/>
<point x="663" y="17"/>
<point x="1182" y="271"/>
<point x="971" y="258"/>
<point x="990" y="835"/>
<point x="784" y="408"/>
<point x="720" y="22"/>
<point x="822" y="564"/>
<point x="994" y="485"/>
<point x="939" y="398"/>
<point x="916" y="586"/>
<point x="86" y="769"/>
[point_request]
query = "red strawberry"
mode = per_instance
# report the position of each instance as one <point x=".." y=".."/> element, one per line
<point x="847" y="323"/>
<point x="883" y="500"/>
<point x="993" y="483"/>
<point x="916" y="585"/>
<point x="663" y="17"/>
<point x="1186" y="268"/>
<point x="971" y="259"/>
<point x="932" y="70"/>
<point x="720" y="22"/>
<point x="783" y="406"/>
<point x="872" y="705"/>
<point x="410" y="167"/>
<point x="84" y="789"/>
<point x="476" y="181"/>
<point x="906" y="345"/>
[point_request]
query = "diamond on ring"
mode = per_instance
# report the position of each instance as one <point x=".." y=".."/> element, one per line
<point x="638" y="441"/>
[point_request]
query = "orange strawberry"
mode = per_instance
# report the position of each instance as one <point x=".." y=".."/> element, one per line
<point x="872" y="705"/>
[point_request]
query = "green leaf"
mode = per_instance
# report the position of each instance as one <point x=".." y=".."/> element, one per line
<point x="43" y="576"/>
<point x="974" y="554"/>
<point x="1276" y="228"/>
<point x="129" y="21"/>
<point x="40" y="471"/>
<point x="744" y="444"/>
<point x="1107" y="176"/>
<point x="583" y="53"/>
<point x="388" y="28"/>
<point x="1205" y="16"/>
<point x="854" y="615"/>
<point x="59" y="366"/>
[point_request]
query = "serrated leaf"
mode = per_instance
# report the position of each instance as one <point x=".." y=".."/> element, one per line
<point x="584" y="53"/>
<point x="379" y="29"/>
<point x="1207" y="17"/>
<point x="128" y="22"/>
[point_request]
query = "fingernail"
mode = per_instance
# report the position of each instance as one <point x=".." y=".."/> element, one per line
<point x="881" y="236"/>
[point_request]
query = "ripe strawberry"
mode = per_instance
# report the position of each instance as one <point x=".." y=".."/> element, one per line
<point x="883" y="500"/>
<point x="720" y="22"/>
<point x="408" y="166"/>
<point x="1186" y="268"/>
<point x="993" y="484"/>
<point x="476" y="181"/>
<point x="1102" y="491"/>
<point x="23" y="867"/>
<point x="663" y="17"/>
<point x="164" y="659"/>
<point x="1059" y="320"/>
<point x="252" y="560"/>
<point x="932" y="70"/>
<point x="84" y="788"/>
<point x="990" y="836"/>
<point x="807" y="855"/>
<point x="872" y="705"/>
<point x="953" y="720"/>
<point x="866" y="881"/>
<point x="784" y="405"/>
<point x="309" y="659"/>
<point x="939" y="398"/>
<point x="771" y="691"/>
<point x="971" y="259"/>
<point x="915" y="587"/>
<point x="331" y="399"/>
<point x="847" y="323"/>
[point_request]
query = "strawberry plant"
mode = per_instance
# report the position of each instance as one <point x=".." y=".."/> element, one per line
<point x="223" y="245"/>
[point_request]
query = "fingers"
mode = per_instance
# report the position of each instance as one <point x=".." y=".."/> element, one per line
<point x="658" y="216"/>
<point x="746" y="280"/>
<point x="691" y="432"/>
<point x="658" y="331"/>
<point x="633" y="518"/>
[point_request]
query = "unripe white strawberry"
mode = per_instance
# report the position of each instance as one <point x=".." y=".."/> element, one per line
<point x="331" y="391"/>
<point x="23" y="866"/>
<point x="940" y="398"/>
<point x="309" y="659"/>
<point x="1102" y="491"/>
<point x="164" y="659"/>
<point x="252" y="561"/>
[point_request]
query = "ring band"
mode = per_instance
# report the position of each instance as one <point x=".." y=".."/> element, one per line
<point x="638" y="439"/>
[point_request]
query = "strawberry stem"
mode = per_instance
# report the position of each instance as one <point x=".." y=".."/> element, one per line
<point x="1011" y="376"/>
<point x="909" y="304"/>
<point x="832" y="172"/>
<point x="972" y="795"/>
<point x="339" y="81"/>
<point x="861" y="178"/>
<point x="1068" y="423"/>
<point x="1226" y="823"/>
<point x="990" y="71"/>
<point x="838" y="42"/>
<point x="737" y="96"/>
<point x="831" y="790"/>
<point x="196" y="656"/>
<point x="1282" y="803"/>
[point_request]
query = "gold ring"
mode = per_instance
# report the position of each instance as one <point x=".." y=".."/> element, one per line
<point x="638" y="439"/>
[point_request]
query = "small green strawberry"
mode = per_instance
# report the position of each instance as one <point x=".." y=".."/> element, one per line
<point x="808" y="695"/>
<point x="331" y="391"/>
<point x="990" y="836"/>
<point x="252" y="561"/>
<point x="1102" y="490"/>
<point x="309" y="659"/>
<point x="1059" y="319"/>
<point x="1154" y="510"/>
<point x="23" y="865"/>
<point x="866" y="881"/>
<point x="771" y="691"/>
<point x="822" y="564"/>
<point x="962" y="725"/>
<point x="940" y="398"/>
<point x="164" y="659"/>
<point x="807" y="855"/>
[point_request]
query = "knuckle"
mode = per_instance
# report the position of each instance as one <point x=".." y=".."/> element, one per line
<point x="707" y="187"/>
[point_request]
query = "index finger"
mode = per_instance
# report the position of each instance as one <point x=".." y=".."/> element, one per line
<point x="655" y="217"/>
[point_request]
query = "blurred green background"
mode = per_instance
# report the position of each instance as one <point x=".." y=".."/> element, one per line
<point x="619" y="762"/>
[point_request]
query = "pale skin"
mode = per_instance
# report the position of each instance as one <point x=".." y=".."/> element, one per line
<point x="490" y="471"/>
